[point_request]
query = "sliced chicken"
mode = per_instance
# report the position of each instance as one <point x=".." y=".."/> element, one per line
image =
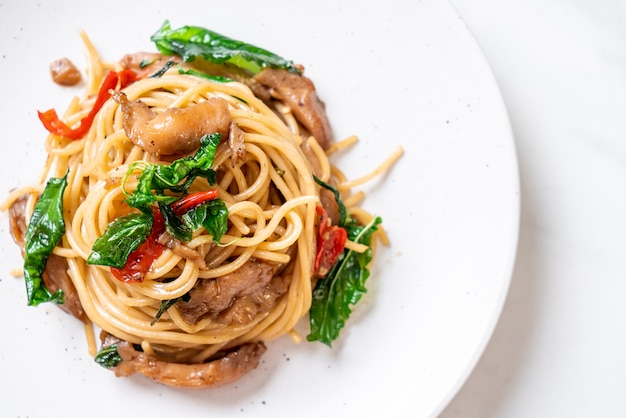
<point x="219" y="372"/>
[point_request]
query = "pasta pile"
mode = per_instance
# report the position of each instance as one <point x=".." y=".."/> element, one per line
<point x="272" y="194"/>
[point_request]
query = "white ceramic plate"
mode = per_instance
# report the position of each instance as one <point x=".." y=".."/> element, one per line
<point x="394" y="73"/>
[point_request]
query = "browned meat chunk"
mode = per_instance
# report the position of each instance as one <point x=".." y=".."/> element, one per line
<point x="330" y="205"/>
<point x="17" y="220"/>
<point x="182" y="250"/>
<point x="236" y="297"/>
<point x="175" y="130"/>
<point x="215" y="373"/>
<point x="146" y="63"/>
<point x="298" y="92"/>
<point x="64" y="72"/>
<point x="55" y="277"/>
<point x="237" y="145"/>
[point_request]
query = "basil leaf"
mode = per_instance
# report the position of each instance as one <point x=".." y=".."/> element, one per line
<point x="212" y="215"/>
<point x="121" y="237"/>
<point x="163" y="70"/>
<point x="216" y="78"/>
<point x="175" y="177"/>
<point x="193" y="173"/>
<point x="142" y="196"/>
<point x="166" y="304"/>
<point x="188" y="168"/>
<point x="344" y="219"/>
<point x="174" y="224"/>
<point x="342" y="287"/>
<point x="190" y="42"/>
<point x="108" y="357"/>
<point x="44" y="231"/>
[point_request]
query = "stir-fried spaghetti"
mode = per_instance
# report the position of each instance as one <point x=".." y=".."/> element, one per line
<point x="244" y="273"/>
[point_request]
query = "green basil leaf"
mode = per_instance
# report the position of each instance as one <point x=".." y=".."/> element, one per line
<point x="212" y="215"/>
<point x="166" y="304"/>
<point x="215" y="78"/>
<point x="190" y="42"/>
<point x="174" y="224"/>
<point x="344" y="219"/>
<point x="108" y="357"/>
<point x="142" y="196"/>
<point x="209" y="174"/>
<point x="342" y="287"/>
<point x="121" y="237"/>
<point x="163" y="70"/>
<point x="44" y="231"/>
<point x="176" y="177"/>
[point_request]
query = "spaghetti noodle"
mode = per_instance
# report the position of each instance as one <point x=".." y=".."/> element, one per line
<point x="199" y="315"/>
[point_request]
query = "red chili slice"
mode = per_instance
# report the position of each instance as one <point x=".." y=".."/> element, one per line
<point x="56" y="126"/>
<point x="331" y="240"/>
<point x="192" y="200"/>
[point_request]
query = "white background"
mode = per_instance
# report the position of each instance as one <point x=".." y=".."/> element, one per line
<point x="559" y="349"/>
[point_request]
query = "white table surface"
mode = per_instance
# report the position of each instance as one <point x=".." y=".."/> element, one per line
<point x="559" y="349"/>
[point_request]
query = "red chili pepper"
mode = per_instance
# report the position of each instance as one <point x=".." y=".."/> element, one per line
<point x="141" y="259"/>
<point x="192" y="200"/>
<point x="54" y="125"/>
<point x="331" y="240"/>
<point x="127" y="77"/>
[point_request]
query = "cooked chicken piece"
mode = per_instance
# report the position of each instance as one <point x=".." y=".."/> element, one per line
<point x="55" y="277"/>
<point x="64" y="72"/>
<point x="298" y="92"/>
<point x="17" y="220"/>
<point x="219" y="372"/>
<point x="175" y="130"/>
<point x="146" y="63"/>
<point x="236" y="297"/>
<point x="237" y="145"/>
